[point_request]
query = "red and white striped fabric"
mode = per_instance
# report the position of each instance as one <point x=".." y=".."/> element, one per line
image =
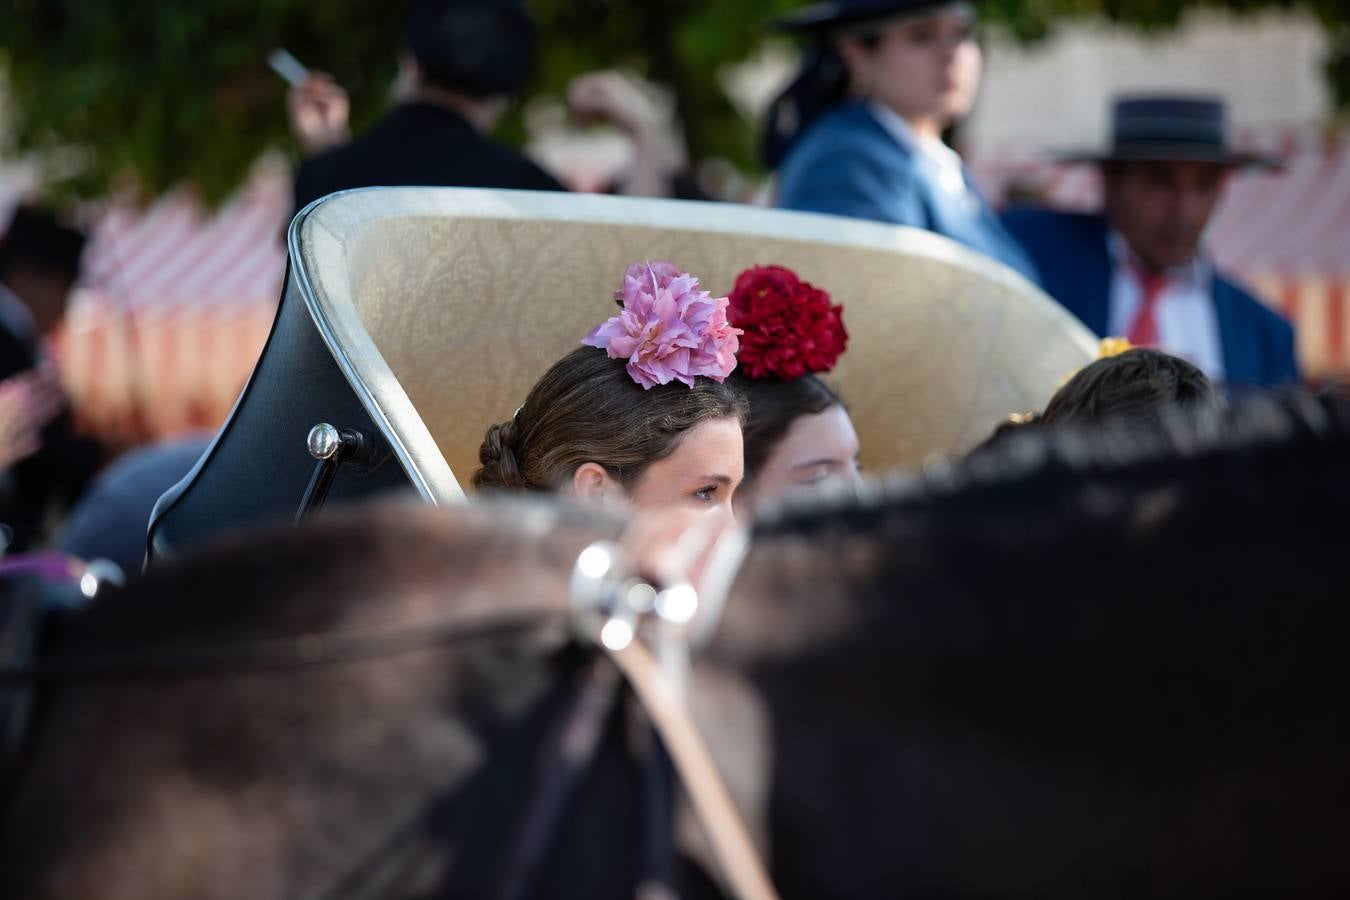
<point x="174" y="253"/>
<point x="173" y="308"/>
<point x="1286" y="233"/>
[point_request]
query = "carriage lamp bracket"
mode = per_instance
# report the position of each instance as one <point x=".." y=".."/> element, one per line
<point x="331" y="447"/>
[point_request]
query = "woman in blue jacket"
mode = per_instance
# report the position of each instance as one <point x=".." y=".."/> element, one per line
<point x="859" y="132"/>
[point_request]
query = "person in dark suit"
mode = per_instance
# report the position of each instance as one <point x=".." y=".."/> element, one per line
<point x="859" y="132"/>
<point x="39" y="262"/>
<point x="460" y="61"/>
<point x="1137" y="269"/>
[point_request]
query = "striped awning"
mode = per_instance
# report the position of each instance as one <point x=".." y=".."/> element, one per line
<point x="173" y="306"/>
<point x="176" y="252"/>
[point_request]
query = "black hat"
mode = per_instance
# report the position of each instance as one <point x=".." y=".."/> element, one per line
<point x="35" y="238"/>
<point x="484" y="48"/>
<point x="1171" y="127"/>
<point x="840" y="13"/>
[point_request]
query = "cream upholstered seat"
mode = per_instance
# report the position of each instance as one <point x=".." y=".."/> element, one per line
<point x="443" y="306"/>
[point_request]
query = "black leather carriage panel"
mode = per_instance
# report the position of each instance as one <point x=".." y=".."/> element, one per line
<point x="258" y="467"/>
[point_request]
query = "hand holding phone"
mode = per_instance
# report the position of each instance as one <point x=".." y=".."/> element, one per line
<point x="317" y="106"/>
<point x="288" y="67"/>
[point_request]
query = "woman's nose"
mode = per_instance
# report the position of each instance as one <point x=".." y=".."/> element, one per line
<point x="724" y="513"/>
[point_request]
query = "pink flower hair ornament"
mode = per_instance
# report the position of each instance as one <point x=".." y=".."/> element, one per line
<point x="669" y="330"/>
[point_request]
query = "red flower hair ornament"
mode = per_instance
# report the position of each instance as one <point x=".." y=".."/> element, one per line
<point x="790" y="326"/>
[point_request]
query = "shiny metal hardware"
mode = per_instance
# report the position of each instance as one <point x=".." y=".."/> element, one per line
<point x="331" y="447"/>
<point x="609" y="602"/>
<point x="609" y="606"/>
<point x="602" y="612"/>
<point x="97" y="575"/>
<point x="324" y="441"/>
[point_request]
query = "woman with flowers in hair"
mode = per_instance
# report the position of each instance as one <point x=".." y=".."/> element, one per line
<point x="640" y="415"/>
<point x="798" y="433"/>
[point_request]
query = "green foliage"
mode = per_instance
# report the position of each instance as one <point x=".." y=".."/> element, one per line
<point x="156" y="92"/>
<point x="676" y="43"/>
<point x="165" y="92"/>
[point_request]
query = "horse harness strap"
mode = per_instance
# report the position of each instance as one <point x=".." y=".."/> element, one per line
<point x="730" y="839"/>
<point x="305" y="651"/>
<point x="610" y="607"/>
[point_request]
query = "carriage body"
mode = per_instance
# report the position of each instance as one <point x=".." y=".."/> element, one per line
<point x="419" y="316"/>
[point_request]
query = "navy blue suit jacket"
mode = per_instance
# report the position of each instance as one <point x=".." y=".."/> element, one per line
<point x="1074" y="259"/>
<point x="848" y="164"/>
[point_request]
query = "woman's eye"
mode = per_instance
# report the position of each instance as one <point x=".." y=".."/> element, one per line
<point x="706" y="494"/>
<point x="815" y="476"/>
<point x="923" y="36"/>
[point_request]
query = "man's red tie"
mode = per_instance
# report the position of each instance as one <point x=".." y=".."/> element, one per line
<point x="1144" y="331"/>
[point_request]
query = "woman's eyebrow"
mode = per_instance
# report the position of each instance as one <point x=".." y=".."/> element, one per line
<point x="811" y="464"/>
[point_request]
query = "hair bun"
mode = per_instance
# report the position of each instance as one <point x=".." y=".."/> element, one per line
<point x="498" y="466"/>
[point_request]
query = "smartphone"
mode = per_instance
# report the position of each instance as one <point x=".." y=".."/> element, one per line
<point x="288" y="67"/>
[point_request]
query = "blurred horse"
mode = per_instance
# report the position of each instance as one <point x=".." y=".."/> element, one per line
<point x="1106" y="663"/>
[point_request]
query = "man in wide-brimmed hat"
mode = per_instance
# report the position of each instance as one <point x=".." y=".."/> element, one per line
<point x="1137" y="270"/>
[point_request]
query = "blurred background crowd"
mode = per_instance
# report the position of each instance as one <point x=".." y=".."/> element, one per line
<point x="150" y="157"/>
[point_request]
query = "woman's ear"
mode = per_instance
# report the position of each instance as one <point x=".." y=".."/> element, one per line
<point x="592" y="484"/>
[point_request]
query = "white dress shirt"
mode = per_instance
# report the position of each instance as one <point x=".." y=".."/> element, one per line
<point x="1188" y="325"/>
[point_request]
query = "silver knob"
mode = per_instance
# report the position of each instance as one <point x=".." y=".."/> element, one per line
<point x="323" y="441"/>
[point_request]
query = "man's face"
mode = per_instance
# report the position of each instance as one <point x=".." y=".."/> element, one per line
<point x="1162" y="208"/>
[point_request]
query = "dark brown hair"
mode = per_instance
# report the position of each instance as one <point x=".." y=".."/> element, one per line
<point x="587" y="408"/>
<point x="1139" y="383"/>
<point x="774" y="405"/>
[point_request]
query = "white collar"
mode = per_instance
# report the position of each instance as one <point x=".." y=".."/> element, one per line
<point x="894" y="123"/>
<point x="942" y="161"/>
<point x="903" y="133"/>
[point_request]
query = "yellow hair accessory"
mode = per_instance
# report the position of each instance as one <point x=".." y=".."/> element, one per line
<point x="1112" y="346"/>
<point x="1106" y="348"/>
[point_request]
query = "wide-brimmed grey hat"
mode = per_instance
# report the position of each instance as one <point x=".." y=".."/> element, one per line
<point x="1171" y="127"/>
